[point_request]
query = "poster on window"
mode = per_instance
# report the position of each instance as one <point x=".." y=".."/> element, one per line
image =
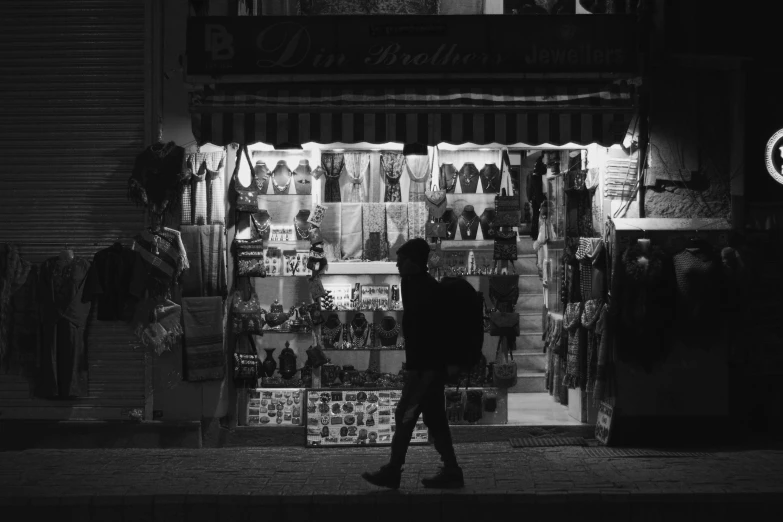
<point x="275" y="407"/>
<point x="354" y="417"/>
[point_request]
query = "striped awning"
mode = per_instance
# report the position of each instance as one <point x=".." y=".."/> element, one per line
<point x="534" y="114"/>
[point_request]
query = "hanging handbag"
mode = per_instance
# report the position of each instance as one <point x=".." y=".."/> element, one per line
<point x="247" y="197"/>
<point x="435" y="201"/>
<point x="250" y="257"/>
<point x="246" y="365"/>
<point x="317" y="289"/>
<point x="504" y="373"/>
<point x="505" y="247"/>
<point x="433" y="229"/>
<point x="503" y="324"/>
<point x="508" y="211"/>
<point x="504" y="289"/>
<point x="247" y="316"/>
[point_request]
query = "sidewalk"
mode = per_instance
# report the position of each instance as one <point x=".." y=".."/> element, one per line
<point x="324" y="484"/>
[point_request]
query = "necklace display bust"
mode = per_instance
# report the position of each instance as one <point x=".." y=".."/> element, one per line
<point x="358" y="332"/>
<point x="281" y="178"/>
<point x="468" y="177"/>
<point x="388" y="330"/>
<point x="303" y="178"/>
<point x="331" y="330"/>
<point x="262" y="222"/>
<point x="468" y="223"/>
<point x="301" y="225"/>
<point x="262" y="176"/>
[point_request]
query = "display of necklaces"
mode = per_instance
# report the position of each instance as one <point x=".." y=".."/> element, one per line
<point x="388" y="331"/>
<point x="262" y="224"/>
<point x="448" y="177"/>
<point x="281" y="170"/>
<point x="331" y="331"/>
<point x="490" y="178"/>
<point x="468" y="223"/>
<point x="357" y="336"/>
<point x="303" y="178"/>
<point x="301" y="225"/>
<point x="486" y="219"/>
<point x="468" y="178"/>
<point x="262" y="176"/>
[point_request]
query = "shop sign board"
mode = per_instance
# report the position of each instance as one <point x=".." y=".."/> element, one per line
<point x="337" y="46"/>
<point x="773" y="156"/>
<point x="351" y="417"/>
<point x="603" y="423"/>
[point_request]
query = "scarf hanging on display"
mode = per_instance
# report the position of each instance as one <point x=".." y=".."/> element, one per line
<point x="417" y="219"/>
<point x="332" y="163"/>
<point x="192" y="284"/>
<point x="351" y="233"/>
<point x="356" y="165"/>
<point x="362" y="7"/>
<point x="202" y="354"/>
<point x="331" y="231"/>
<point x="589" y="248"/>
<point x="396" y="226"/>
<point x="392" y="164"/>
<point x="204" y="191"/>
<point x="12" y="277"/>
<point x="212" y="265"/>
<point x="579" y="206"/>
<point x="164" y="257"/>
<point x="157" y="324"/>
<point x="592" y="311"/>
<point x="602" y="360"/>
<point x="158" y="178"/>
<point x="576" y="346"/>
<point x="419" y="168"/>
<point x="376" y="244"/>
<point x="22" y="353"/>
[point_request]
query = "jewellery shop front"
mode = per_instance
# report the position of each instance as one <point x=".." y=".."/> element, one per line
<point x="346" y="138"/>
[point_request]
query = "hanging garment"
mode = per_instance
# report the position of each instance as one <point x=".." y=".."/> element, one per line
<point x="202" y="355"/>
<point x="577" y="349"/>
<point x="63" y="315"/>
<point x="109" y="283"/>
<point x="356" y="165"/>
<point x="417" y="219"/>
<point x="376" y="244"/>
<point x="22" y="355"/>
<point x="13" y="274"/>
<point x="204" y="191"/>
<point x="603" y="359"/>
<point x="392" y="164"/>
<point x="331" y="231"/>
<point x="351" y="233"/>
<point x="587" y="253"/>
<point x="698" y="276"/>
<point x="490" y="178"/>
<point x="419" y="168"/>
<point x="535" y="195"/>
<point x="592" y="312"/>
<point x="396" y="227"/>
<point x="158" y="178"/>
<point x="192" y="283"/>
<point x="333" y="166"/>
<point x="157" y="324"/>
<point x="361" y="7"/>
<point x="468" y="178"/>
<point x="164" y="261"/>
<point x="205" y="247"/>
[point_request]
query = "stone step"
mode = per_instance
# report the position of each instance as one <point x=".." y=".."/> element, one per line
<point x="526" y="265"/>
<point x="530" y="362"/>
<point x="530" y="343"/>
<point x="529" y="382"/>
<point x="530" y="303"/>
<point x="530" y="284"/>
<point x="530" y="322"/>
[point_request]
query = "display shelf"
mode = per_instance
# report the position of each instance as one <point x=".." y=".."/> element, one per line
<point x="361" y="268"/>
<point x="364" y="350"/>
<point x="455" y="245"/>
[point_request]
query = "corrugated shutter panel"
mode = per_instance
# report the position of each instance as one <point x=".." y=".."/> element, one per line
<point x="72" y="99"/>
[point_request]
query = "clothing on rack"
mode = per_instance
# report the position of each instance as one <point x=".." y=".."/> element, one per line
<point x="109" y="282"/>
<point x="204" y="191"/>
<point x="203" y="355"/>
<point x="158" y="178"/>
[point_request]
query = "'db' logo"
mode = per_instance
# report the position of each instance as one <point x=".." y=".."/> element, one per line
<point x="774" y="156"/>
<point x="220" y="43"/>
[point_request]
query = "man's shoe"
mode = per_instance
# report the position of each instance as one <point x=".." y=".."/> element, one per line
<point x="386" y="477"/>
<point x="446" y="478"/>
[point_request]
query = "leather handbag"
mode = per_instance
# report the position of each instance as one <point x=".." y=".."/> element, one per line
<point x="503" y="324"/>
<point x="250" y="257"/>
<point x="247" y="364"/>
<point x="435" y="201"/>
<point x="504" y="289"/>
<point x="247" y="316"/>
<point x="508" y="211"/>
<point x="504" y="372"/>
<point x="433" y="229"/>
<point x="505" y="246"/>
<point x="247" y="197"/>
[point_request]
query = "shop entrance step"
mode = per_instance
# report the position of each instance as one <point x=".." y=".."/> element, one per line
<point x="529" y="382"/>
<point x="530" y="362"/>
<point x="529" y="303"/>
<point x="530" y="342"/>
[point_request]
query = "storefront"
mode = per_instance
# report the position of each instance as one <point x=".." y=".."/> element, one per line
<point x="336" y="137"/>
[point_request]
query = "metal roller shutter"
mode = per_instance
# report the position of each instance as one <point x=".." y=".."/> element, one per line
<point x="73" y="95"/>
